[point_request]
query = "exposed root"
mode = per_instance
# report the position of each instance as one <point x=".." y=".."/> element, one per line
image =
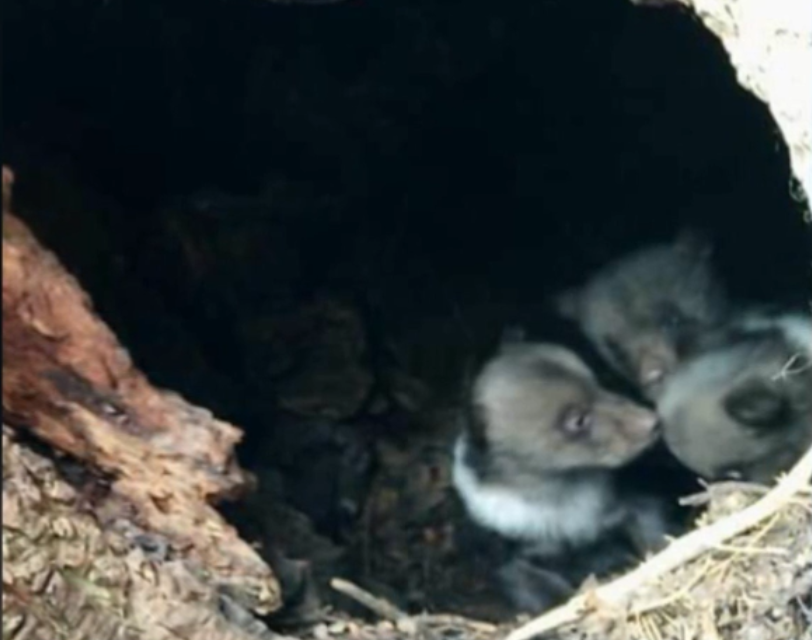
<point x="379" y="606"/>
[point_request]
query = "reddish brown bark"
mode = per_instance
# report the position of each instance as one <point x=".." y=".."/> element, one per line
<point x="67" y="380"/>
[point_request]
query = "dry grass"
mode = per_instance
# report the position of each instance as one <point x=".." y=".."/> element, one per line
<point x="750" y="587"/>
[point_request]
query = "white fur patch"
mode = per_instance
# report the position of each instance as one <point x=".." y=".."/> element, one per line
<point x="579" y="518"/>
<point x="797" y="328"/>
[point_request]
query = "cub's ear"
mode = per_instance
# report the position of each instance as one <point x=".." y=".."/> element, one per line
<point x="694" y="243"/>
<point x="472" y="414"/>
<point x="568" y="304"/>
<point x="755" y="403"/>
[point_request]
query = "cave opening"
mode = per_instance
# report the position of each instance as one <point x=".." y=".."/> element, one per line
<point x="306" y="218"/>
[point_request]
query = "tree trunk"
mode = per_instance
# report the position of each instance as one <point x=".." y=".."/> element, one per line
<point x="135" y="543"/>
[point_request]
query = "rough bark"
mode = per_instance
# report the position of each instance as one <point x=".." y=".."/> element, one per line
<point x="68" y="381"/>
<point x="66" y="576"/>
<point x="770" y="47"/>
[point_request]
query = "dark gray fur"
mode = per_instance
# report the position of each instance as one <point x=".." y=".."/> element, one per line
<point x="644" y="311"/>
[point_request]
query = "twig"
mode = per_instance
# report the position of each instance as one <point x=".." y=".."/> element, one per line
<point x="751" y="550"/>
<point x="704" y="497"/>
<point x="381" y="607"/>
<point x="679" y="552"/>
<point x="388" y="611"/>
<point x="790" y="369"/>
<point x="442" y="619"/>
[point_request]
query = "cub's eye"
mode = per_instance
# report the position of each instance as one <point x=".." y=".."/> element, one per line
<point x="577" y="423"/>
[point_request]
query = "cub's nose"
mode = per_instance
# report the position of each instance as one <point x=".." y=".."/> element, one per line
<point x="647" y="423"/>
<point x="654" y="360"/>
<point x="653" y="375"/>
